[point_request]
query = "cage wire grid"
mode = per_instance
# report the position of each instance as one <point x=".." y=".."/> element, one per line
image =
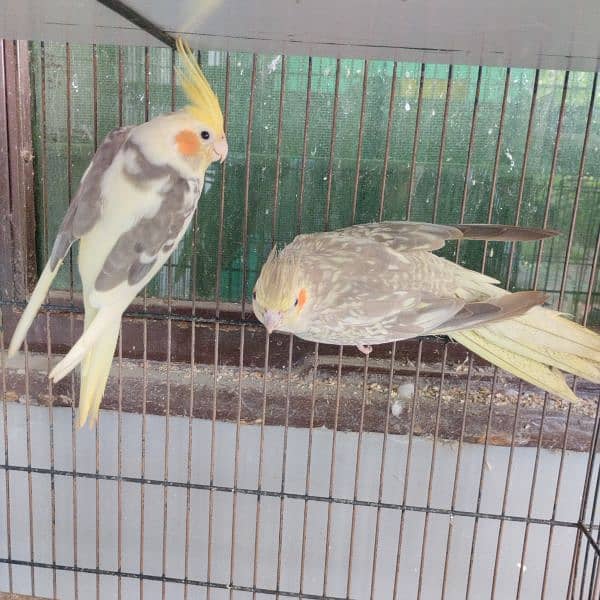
<point x="268" y="498"/>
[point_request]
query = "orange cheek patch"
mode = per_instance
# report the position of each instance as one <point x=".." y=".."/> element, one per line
<point x="188" y="143"/>
<point x="302" y="297"/>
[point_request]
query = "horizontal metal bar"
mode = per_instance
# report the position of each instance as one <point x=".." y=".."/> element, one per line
<point x="451" y="512"/>
<point x="166" y="579"/>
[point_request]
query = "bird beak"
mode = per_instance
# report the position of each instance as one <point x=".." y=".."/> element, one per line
<point x="221" y="149"/>
<point x="271" y="320"/>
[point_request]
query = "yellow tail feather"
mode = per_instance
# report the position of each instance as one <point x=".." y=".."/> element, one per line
<point x="35" y="301"/>
<point x="537" y="347"/>
<point x="95" y="370"/>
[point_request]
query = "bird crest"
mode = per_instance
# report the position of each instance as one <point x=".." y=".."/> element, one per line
<point x="203" y="102"/>
<point x="279" y="280"/>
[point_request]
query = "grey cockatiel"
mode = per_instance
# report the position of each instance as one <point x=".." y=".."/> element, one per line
<point x="379" y="282"/>
<point x="133" y="205"/>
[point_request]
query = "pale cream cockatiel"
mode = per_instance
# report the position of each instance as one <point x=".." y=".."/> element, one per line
<point x="380" y="282"/>
<point x="134" y="203"/>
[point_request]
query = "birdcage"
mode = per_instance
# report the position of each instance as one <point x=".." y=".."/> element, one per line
<point x="230" y="464"/>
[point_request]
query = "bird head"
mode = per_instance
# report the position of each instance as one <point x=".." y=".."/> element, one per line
<point x="203" y="141"/>
<point x="280" y="297"/>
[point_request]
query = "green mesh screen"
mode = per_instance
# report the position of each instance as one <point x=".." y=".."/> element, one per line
<point x="277" y="212"/>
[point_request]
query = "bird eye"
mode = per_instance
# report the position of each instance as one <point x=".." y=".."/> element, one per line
<point x="204" y="135"/>
<point x="296" y="302"/>
<point x="254" y="295"/>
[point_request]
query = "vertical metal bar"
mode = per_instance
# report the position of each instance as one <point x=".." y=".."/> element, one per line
<point x="357" y="464"/>
<point x="144" y="358"/>
<point x="27" y="383"/>
<point x="456" y="476"/>
<point x="261" y="453"/>
<point x="531" y="495"/>
<point x="522" y="179"/>
<point x="304" y="144"/>
<point x="438" y="177"/>
<point x="382" y="472"/>
<point x="555" y="504"/>
<point x="407" y="468"/>
<point x="120" y="78"/>
<point x="506" y="491"/>
<point x="336" y="95"/>
<point x="432" y="470"/>
<point x="190" y="432"/>
<point x="592" y="283"/>
<point x="275" y="211"/>
<point x="308" y="467"/>
<point x="98" y="421"/>
<point x="580" y="174"/>
<point x="168" y="380"/>
<point x="219" y="265"/>
<point x="559" y="125"/>
<point x="247" y="187"/>
<point x="415" y="147"/>
<point x="284" y="464"/>
<point x="6" y="446"/>
<point x="213" y="431"/>
<point x="490" y="212"/>
<point x="388" y="139"/>
<point x="361" y="127"/>
<point x="332" y="468"/>
<point x="236" y="466"/>
<point x="7" y="287"/>
<point x="584" y="500"/>
<point x="463" y="202"/>
<point x="71" y="322"/>
<point x="480" y="488"/>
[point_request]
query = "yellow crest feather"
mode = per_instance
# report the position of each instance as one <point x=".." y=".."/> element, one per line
<point x="203" y="102"/>
<point x="279" y="280"/>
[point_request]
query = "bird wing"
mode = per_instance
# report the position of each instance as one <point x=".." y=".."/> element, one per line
<point x="85" y="208"/>
<point x="404" y="236"/>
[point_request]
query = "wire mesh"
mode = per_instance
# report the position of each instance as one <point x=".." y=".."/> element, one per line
<point x="231" y="465"/>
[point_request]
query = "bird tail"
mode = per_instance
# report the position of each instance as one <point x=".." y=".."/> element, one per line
<point x="95" y="348"/>
<point x="537" y="347"/>
<point x="35" y="301"/>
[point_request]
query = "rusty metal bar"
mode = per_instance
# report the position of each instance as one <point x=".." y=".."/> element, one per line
<point x="506" y="491"/>
<point x="465" y="195"/>
<point x="415" y="147"/>
<point x="304" y="146"/>
<point x="440" y="167"/>
<point x="336" y="95"/>
<point x="432" y="472"/>
<point x="490" y="212"/>
<point x="559" y="124"/>
<point x="361" y="130"/>
<point x="532" y="495"/>
<point x="580" y="174"/>
<point x="382" y="472"/>
<point x="308" y="469"/>
<point x="357" y="464"/>
<point x="247" y="186"/>
<point x="530" y="126"/>
<point x="388" y="139"/>
<point x="480" y="487"/>
<point x="332" y="467"/>
<point x="455" y="479"/>
<point x="555" y="504"/>
<point x="413" y="411"/>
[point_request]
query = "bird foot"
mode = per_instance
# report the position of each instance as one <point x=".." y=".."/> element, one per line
<point x="365" y="349"/>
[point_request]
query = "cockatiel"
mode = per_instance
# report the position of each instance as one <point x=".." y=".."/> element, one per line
<point x="379" y="282"/>
<point x="133" y="205"/>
